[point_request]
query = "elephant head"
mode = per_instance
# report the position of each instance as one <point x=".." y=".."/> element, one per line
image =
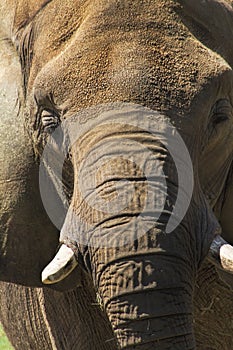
<point x="128" y="105"/>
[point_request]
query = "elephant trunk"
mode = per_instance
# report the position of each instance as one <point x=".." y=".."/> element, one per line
<point x="144" y="276"/>
<point x="125" y="194"/>
<point x="148" y="301"/>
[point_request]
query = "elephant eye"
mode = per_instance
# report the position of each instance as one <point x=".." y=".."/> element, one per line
<point x="50" y="120"/>
<point x="221" y="112"/>
<point x="219" y="121"/>
<point x="220" y="118"/>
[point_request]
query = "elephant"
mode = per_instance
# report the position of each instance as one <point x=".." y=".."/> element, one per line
<point x="120" y="235"/>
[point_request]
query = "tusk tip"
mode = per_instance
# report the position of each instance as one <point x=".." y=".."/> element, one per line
<point x="221" y="254"/>
<point x="226" y="257"/>
<point x="60" y="267"/>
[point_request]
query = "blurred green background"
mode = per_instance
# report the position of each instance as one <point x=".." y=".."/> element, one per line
<point x="4" y="342"/>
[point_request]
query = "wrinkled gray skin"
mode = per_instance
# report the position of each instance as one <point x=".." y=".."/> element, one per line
<point x="153" y="54"/>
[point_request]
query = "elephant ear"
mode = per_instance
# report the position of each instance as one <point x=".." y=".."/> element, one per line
<point x="205" y="21"/>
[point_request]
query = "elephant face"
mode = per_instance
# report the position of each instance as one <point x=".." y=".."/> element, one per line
<point x="82" y="62"/>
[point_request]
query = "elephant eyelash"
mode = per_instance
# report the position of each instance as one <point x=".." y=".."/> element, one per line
<point x="219" y="118"/>
<point x="221" y="111"/>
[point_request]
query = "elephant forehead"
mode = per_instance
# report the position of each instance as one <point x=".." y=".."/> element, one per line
<point x="137" y="51"/>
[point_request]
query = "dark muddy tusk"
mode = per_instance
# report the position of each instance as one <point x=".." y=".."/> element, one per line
<point x="222" y="253"/>
<point x="60" y="267"/>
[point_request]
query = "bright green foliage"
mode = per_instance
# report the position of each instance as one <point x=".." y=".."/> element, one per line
<point x="4" y="342"/>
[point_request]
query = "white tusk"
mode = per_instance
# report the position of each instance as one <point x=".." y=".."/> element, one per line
<point x="60" y="267"/>
<point x="222" y="253"/>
